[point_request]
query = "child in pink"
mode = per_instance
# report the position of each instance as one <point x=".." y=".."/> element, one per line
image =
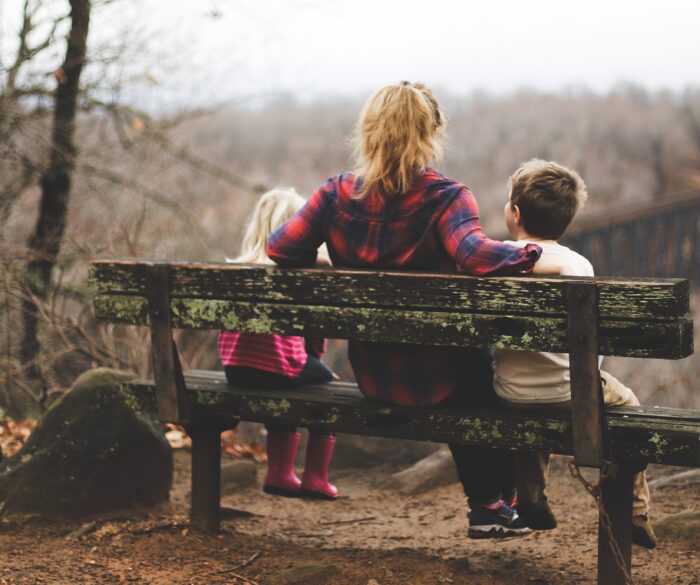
<point x="275" y="361"/>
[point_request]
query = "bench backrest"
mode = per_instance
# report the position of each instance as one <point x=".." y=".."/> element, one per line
<point x="636" y="317"/>
<point x="582" y="316"/>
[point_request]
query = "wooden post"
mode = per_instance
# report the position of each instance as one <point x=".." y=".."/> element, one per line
<point x="205" y="511"/>
<point x="171" y="392"/>
<point x="617" y="502"/>
<point x="589" y="430"/>
<point x="587" y="414"/>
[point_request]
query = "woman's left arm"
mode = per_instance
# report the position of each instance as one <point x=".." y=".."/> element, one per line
<point x="460" y="233"/>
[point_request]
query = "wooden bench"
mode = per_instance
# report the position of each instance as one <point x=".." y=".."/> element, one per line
<point x="583" y="316"/>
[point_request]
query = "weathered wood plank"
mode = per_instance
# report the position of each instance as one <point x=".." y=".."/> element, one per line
<point x="616" y="494"/>
<point x="171" y="392"/>
<point x="588" y="415"/>
<point x="619" y="298"/>
<point x="667" y="339"/>
<point x="205" y="511"/>
<point x="635" y="437"/>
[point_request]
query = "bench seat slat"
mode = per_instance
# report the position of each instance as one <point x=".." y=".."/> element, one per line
<point x="634" y="436"/>
<point x="619" y="298"/>
<point x="663" y="339"/>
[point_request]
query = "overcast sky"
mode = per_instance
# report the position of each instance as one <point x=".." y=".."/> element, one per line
<point x="350" y="46"/>
<point x="315" y="47"/>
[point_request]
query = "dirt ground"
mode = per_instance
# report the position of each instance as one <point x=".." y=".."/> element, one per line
<point x="370" y="536"/>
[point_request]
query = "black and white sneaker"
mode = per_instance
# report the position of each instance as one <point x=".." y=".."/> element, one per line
<point x="496" y="520"/>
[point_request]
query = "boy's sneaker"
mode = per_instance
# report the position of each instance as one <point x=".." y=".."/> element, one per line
<point x="538" y="515"/>
<point x="495" y="521"/>
<point x="643" y="532"/>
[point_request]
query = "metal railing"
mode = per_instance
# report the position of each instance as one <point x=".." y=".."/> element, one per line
<point x="661" y="239"/>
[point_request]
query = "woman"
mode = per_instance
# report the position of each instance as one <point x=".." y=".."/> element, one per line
<point x="396" y="212"/>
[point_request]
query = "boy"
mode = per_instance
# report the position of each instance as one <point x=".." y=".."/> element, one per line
<point x="543" y="199"/>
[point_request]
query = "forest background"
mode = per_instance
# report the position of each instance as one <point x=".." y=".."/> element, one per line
<point x="169" y="165"/>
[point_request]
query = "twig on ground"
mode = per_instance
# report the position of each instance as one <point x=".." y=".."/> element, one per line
<point x="676" y="477"/>
<point x="350" y="521"/>
<point x="239" y="565"/>
<point x="227" y="513"/>
<point x="82" y="531"/>
<point x="244" y="579"/>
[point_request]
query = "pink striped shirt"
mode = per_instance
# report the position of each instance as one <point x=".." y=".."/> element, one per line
<point x="279" y="354"/>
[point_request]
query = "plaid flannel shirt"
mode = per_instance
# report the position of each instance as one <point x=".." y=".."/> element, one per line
<point x="433" y="227"/>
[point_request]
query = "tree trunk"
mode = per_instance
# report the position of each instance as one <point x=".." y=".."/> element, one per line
<point x="45" y="243"/>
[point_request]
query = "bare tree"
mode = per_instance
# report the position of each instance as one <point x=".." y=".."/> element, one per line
<point x="79" y="142"/>
<point x="45" y="242"/>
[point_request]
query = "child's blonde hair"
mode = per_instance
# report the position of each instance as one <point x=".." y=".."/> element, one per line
<point x="397" y="135"/>
<point x="273" y="209"/>
<point x="548" y="195"/>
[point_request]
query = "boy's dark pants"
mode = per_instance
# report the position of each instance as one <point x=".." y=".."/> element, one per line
<point x="486" y="474"/>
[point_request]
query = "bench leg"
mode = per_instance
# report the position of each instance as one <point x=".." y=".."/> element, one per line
<point x="206" y="476"/>
<point x="616" y="497"/>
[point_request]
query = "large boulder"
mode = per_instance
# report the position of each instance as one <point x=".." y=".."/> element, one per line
<point x="683" y="526"/>
<point x="93" y="451"/>
<point x="436" y="470"/>
<point x="359" y="452"/>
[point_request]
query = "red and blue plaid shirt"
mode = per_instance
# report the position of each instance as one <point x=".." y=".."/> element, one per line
<point x="434" y="227"/>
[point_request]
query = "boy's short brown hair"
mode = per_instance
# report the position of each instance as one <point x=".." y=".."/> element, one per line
<point x="548" y="195"/>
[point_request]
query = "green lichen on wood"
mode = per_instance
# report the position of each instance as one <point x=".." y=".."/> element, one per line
<point x="659" y="443"/>
<point x="628" y="299"/>
<point x="625" y="338"/>
<point x="205" y="398"/>
<point x="331" y="417"/>
<point x="121" y="309"/>
<point x="631" y="433"/>
<point x="193" y="312"/>
<point x="558" y="426"/>
<point x="260" y="323"/>
<point x="270" y="407"/>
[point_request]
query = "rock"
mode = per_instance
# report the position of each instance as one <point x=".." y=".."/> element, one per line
<point x="307" y="575"/>
<point x="429" y="473"/>
<point x="238" y="475"/>
<point x="93" y="451"/>
<point x="682" y="526"/>
<point x="356" y="451"/>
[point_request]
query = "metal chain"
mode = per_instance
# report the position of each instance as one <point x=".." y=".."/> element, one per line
<point x="595" y="491"/>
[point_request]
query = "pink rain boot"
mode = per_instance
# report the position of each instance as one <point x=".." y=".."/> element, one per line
<point x="280" y="479"/>
<point x="319" y="451"/>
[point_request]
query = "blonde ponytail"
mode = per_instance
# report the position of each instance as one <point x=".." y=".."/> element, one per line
<point x="396" y="137"/>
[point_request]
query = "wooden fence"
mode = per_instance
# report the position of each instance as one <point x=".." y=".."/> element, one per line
<point x="661" y="239"/>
